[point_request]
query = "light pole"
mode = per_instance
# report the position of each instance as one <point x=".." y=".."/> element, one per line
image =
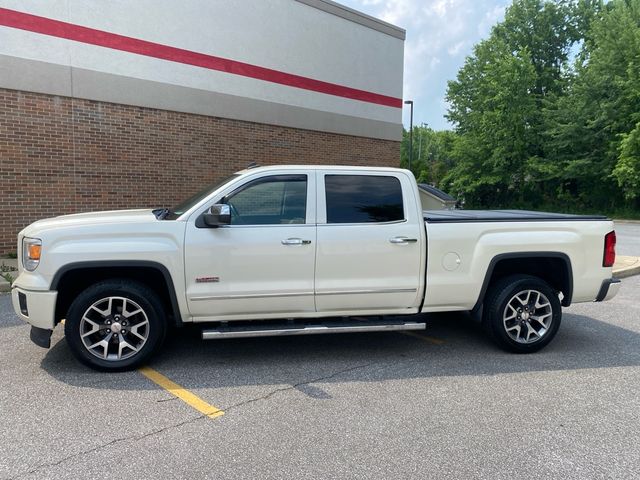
<point x="410" y="103"/>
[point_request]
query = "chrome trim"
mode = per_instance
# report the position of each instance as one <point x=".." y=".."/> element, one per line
<point x="257" y="295"/>
<point x="402" y="240"/>
<point x="364" y="292"/>
<point x="303" y="294"/>
<point x="310" y="330"/>
<point x="610" y="284"/>
<point x="393" y="222"/>
<point x="270" y="225"/>
<point x="295" y="241"/>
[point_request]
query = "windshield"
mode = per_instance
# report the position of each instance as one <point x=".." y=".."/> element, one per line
<point x="194" y="199"/>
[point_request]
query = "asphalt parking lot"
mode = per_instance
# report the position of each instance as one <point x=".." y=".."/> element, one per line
<point x="440" y="404"/>
<point x="628" y="238"/>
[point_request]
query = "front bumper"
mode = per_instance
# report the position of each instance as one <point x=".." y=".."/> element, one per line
<point x="608" y="289"/>
<point x="37" y="308"/>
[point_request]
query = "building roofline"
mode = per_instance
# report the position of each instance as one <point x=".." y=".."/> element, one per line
<point x="357" y="17"/>
<point x="436" y="192"/>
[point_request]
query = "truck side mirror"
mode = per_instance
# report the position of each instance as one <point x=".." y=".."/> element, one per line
<point x="218" y="215"/>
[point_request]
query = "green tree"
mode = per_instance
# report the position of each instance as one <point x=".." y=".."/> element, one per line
<point x="592" y="130"/>
<point x="547" y="30"/>
<point x="497" y="104"/>
<point x="492" y="109"/>
<point x="627" y="169"/>
<point x="432" y="154"/>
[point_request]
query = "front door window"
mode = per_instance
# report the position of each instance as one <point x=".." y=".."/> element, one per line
<point x="276" y="200"/>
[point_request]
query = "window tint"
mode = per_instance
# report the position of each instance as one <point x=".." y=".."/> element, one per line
<point x="280" y="199"/>
<point x="363" y="199"/>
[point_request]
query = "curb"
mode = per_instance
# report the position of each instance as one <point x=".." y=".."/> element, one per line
<point x="621" y="220"/>
<point x="630" y="266"/>
<point x="12" y="263"/>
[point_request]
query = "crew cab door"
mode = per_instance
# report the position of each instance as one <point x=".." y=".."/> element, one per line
<point x="262" y="262"/>
<point x="371" y="242"/>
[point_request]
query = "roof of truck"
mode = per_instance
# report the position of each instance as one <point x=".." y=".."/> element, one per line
<point x="320" y="167"/>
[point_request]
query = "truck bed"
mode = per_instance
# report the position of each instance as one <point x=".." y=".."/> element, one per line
<point x="477" y="216"/>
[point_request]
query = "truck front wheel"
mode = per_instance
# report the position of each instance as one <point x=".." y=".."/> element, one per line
<point x="115" y="325"/>
<point x="522" y="313"/>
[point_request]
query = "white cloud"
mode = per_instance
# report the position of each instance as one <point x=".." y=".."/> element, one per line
<point x="440" y="34"/>
<point x="490" y="19"/>
<point x="455" y="49"/>
<point x="439" y="8"/>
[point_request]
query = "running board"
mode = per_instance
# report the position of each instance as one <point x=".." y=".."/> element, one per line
<point x="245" y="331"/>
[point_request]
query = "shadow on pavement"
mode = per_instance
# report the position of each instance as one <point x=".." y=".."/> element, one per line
<point x="582" y="343"/>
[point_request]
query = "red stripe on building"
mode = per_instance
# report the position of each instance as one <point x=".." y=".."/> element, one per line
<point x="92" y="36"/>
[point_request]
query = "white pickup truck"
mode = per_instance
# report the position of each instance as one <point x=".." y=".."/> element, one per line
<point x="291" y="250"/>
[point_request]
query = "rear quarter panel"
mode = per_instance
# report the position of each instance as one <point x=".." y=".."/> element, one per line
<point x="451" y="287"/>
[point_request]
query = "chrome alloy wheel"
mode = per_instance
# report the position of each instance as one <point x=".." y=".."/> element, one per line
<point x="114" y="328"/>
<point x="527" y="316"/>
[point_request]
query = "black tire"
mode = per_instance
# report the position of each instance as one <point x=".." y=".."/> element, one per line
<point x="511" y="333"/>
<point x="140" y="299"/>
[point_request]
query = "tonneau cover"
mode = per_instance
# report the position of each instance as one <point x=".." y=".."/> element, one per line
<point x="457" y="216"/>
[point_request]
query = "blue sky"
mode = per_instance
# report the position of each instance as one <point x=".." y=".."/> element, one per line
<point x="440" y="34"/>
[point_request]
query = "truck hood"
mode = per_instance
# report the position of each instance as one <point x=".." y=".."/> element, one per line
<point x="144" y="215"/>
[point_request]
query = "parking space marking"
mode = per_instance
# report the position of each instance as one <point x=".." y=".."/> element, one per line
<point x="434" y="341"/>
<point x="182" y="393"/>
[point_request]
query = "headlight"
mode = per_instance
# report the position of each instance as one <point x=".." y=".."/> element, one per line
<point x="31" y="251"/>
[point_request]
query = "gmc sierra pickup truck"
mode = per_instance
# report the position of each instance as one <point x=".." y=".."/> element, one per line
<point x="292" y="250"/>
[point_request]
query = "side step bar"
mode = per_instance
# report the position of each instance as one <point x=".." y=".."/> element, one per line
<point x="245" y="331"/>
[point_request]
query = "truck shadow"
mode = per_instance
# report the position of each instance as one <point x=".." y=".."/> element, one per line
<point x="582" y="343"/>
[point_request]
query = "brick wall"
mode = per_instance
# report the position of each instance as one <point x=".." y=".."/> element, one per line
<point x="62" y="155"/>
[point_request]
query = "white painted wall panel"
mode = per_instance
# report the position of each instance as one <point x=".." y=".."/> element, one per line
<point x="283" y="35"/>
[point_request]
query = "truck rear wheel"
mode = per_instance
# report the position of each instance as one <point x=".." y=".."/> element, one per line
<point x="115" y="325"/>
<point x="522" y="313"/>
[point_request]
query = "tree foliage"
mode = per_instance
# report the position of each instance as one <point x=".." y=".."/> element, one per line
<point x="546" y="111"/>
<point x="432" y="156"/>
<point x="627" y="170"/>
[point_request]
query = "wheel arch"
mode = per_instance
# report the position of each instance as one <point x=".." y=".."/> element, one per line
<point x="73" y="278"/>
<point x="544" y="265"/>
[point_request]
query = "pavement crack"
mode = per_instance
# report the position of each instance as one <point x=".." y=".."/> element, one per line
<point x="270" y="394"/>
<point x="162" y="400"/>
<point x="107" y="444"/>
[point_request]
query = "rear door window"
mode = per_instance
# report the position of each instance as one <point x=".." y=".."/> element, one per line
<point x="363" y="199"/>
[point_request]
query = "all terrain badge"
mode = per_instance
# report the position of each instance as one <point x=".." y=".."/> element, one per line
<point x="207" y="279"/>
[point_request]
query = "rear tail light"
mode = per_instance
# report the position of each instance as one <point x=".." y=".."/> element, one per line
<point x="609" y="257"/>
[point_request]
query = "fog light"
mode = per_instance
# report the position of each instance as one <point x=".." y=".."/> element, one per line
<point x="22" y="300"/>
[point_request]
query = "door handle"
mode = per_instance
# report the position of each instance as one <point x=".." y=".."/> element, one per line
<point x="403" y="240"/>
<point x="295" y="241"/>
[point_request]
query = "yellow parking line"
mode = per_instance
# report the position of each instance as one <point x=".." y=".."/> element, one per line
<point x="435" y="341"/>
<point x="183" y="394"/>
